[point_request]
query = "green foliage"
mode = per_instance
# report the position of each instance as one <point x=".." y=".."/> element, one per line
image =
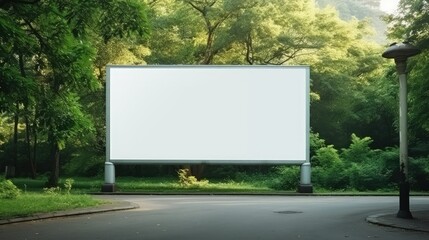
<point x="332" y="178"/>
<point x="349" y="9"/>
<point x="326" y="157"/>
<point x="367" y="176"/>
<point x="52" y="190"/>
<point x="84" y="164"/>
<point x="32" y="203"/>
<point x="285" y="178"/>
<point x="358" y="167"/>
<point x="410" y="23"/>
<point x="8" y="190"/>
<point x="187" y="180"/>
<point x="316" y="142"/>
<point x="122" y="19"/>
<point x="388" y="161"/>
<point x="419" y="172"/>
<point x="47" y="66"/>
<point x="68" y="184"/>
<point x="358" y="151"/>
<point x="62" y="118"/>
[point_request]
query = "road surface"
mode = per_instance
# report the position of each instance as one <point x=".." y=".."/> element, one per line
<point x="227" y="217"/>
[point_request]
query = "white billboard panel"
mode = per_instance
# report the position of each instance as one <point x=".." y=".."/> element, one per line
<point x="207" y="114"/>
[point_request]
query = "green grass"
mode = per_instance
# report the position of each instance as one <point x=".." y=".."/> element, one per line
<point x="33" y="199"/>
<point x="254" y="185"/>
<point x="172" y="185"/>
<point x="133" y="184"/>
<point x="32" y="203"/>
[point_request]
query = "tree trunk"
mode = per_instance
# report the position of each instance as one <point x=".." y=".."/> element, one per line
<point x="11" y="167"/>
<point x="28" y="147"/>
<point x="34" y="148"/>
<point x="208" y="52"/>
<point x="27" y="122"/>
<point x="34" y="128"/>
<point x="197" y="171"/>
<point x="55" y="166"/>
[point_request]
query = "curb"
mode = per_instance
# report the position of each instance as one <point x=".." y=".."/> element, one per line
<point x="274" y="193"/>
<point x="114" y="206"/>
<point x="390" y="220"/>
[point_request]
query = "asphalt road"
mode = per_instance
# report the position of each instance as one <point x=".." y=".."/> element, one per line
<point x="227" y="217"/>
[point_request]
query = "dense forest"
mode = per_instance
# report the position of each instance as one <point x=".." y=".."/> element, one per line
<point x="53" y="55"/>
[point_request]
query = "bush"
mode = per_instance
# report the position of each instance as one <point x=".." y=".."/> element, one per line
<point x="186" y="180"/>
<point x="85" y="165"/>
<point x="8" y="190"/>
<point x="326" y="157"/>
<point x="358" y="151"/>
<point x="315" y="142"/>
<point x="68" y="184"/>
<point x="285" y="178"/>
<point x="419" y="173"/>
<point x="388" y="159"/>
<point x="52" y="190"/>
<point x="368" y="176"/>
<point x="333" y="177"/>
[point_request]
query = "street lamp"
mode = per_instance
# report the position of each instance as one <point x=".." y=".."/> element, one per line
<point x="400" y="52"/>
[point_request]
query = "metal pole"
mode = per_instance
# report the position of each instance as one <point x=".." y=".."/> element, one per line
<point x="305" y="185"/>
<point x="404" y="186"/>
<point x="400" y="52"/>
<point x="109" y="178"/>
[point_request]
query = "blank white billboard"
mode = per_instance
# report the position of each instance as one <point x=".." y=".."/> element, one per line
<point x="207" y="114"/>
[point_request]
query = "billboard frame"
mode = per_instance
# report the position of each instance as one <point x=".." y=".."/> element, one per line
<point x="109" y="164"/>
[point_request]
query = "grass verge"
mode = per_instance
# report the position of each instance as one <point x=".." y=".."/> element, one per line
<point x="32" y="203"/>
<point x="33" y="200"/>
<point x="133" y="184"/>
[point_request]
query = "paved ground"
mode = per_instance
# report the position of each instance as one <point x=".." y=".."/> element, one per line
<point x="233" y="217"/>
<point x="420" y="221"/>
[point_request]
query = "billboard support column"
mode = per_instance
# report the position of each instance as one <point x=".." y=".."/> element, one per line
<point x="305" y="185"/>
<point x="109" y="178"/>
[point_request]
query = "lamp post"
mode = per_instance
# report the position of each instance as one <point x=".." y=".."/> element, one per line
<point x="401" y="52"/>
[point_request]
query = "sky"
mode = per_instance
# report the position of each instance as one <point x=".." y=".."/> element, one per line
<point x="389" y="6"/>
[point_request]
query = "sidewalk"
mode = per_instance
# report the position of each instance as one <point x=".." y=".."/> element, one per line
<point x="114" y="206"/>
<point x="420" y="221"/>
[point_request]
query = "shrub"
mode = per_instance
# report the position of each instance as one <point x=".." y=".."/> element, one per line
<point x="389" y="162"/>
<point x="52" y="190"/>
<point x="315" y="142"/>
<point x="84" y="164"/>
<point x="68" y="184"/>
<point x="326" y="157"/>
<point x="187" y="180"/>
<point x="419" y="173"/>
<point x="286" y="178"/>
<point x="358" y="151"/>
<point x="333" y="177"/>
<point x="8" y="190"/>
<point x="368" y="176"/>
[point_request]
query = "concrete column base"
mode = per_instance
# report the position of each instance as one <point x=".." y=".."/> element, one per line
<point x="109" y="178"/>
<point x="108" y="187"/>
<point x="305" y="185"/>
<point x="305" y="188"/>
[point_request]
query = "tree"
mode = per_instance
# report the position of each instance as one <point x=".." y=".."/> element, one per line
<point x="16" y="87"/>
<point x="411" y="24"/>
<point x="342" y="72"/>
<point x="54" y="42"/>
<point x="282" y="31"/>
